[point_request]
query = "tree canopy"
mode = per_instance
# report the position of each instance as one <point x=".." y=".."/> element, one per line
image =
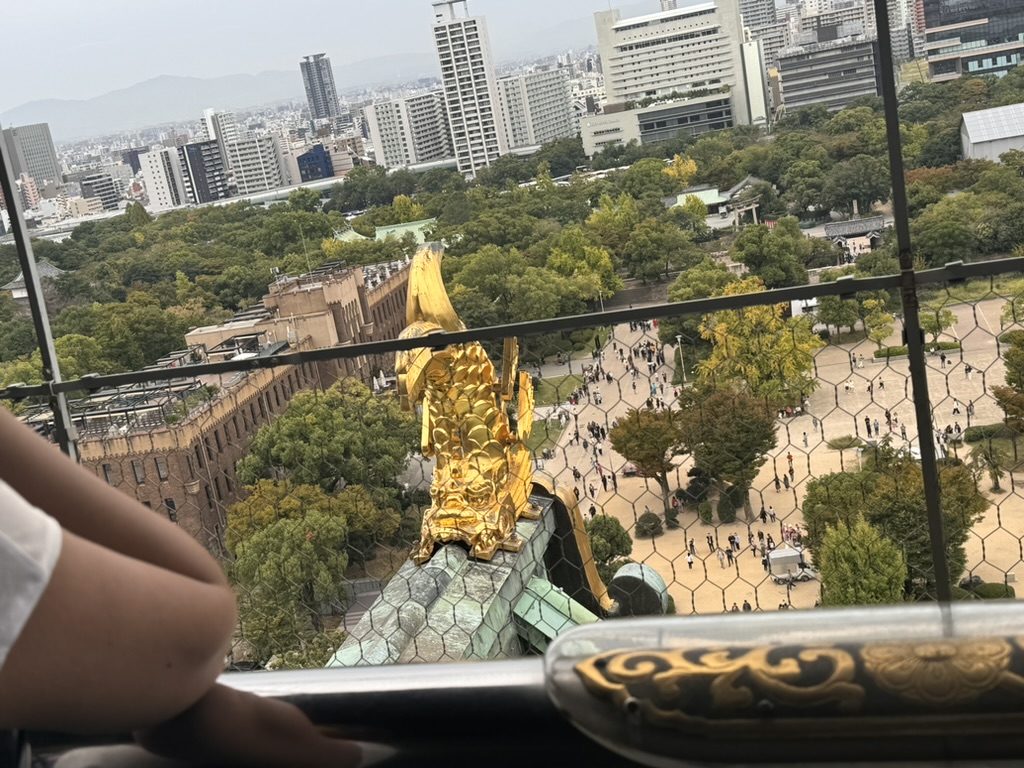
<point x="650" y="439"/>
<point x="859" y="566"/>
<point x="344" y="434"/>
<point x="760" y="348"/>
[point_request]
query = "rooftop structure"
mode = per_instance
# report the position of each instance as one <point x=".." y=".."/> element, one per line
<point x="988" y="133"/>
<point x="47" y="271"/>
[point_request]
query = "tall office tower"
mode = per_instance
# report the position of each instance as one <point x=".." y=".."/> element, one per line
<point x="32" y="152"/>
<point x="470" y="86"/>
<point x="537" y="108"/>
<point x="695" y="48"/>
<point x="668" y="5"/>
<point x="757" y="13"/>
<point x="320" y="90"/>
<point x="982" y="37"/>
<point x="101" y="186"/>
<point x="163" y="179"/>
<point x="410" y="131"/>
<point x="257" y="164"/>
<point x="204" y="171"/>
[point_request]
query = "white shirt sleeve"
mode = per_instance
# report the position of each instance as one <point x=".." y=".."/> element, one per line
<point x="30" y="543"/>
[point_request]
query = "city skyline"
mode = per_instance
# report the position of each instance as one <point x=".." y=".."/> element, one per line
<point x="403" y="28"/>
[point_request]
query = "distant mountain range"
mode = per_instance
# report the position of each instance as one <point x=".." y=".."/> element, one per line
<point x="170" y="99"/>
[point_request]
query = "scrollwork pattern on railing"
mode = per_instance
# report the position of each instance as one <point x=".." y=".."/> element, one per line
<point x="811" y="683"/>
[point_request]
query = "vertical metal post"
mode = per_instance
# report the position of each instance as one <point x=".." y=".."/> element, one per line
<point x="911" y="307"/>
<point x="63" y="427"/>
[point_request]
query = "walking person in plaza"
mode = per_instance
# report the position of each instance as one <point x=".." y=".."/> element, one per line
<point x="711" y="544"/>
<point x="689" y="560"/>
<point x="721" y="558"/>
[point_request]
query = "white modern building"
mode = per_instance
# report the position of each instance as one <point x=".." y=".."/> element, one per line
<point x="257" y="164"/>
<point x="537" y="107"/>
<point x="684" y="70"/>
<point x="410" y="131"/>
<point x="163" y="179"/>
<point x="470" y="86"/>
<point x="665" y="54"/>
<point x="221" y="127"/>
<point x="988" y="133"/>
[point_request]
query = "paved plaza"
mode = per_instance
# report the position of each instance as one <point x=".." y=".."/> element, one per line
<point x="839" y="407"/>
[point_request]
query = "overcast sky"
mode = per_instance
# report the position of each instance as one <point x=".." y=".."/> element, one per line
<point x="78" y="49"/>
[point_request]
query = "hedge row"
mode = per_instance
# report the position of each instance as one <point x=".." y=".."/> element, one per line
<point x="942" y="346"/>
<point x="1011" y="336"/>
<point x="989" y="432"/>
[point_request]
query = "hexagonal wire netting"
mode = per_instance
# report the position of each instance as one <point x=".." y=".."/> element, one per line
<point x="308" y="482"/>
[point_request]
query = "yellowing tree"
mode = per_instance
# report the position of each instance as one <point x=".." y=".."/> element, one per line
<point x="405" y="210"/>
<point x="760" y="348"/>
<point x="682" y="169"/>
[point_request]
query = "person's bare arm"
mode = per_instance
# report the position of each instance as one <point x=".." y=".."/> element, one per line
<point x="88" y="507"/>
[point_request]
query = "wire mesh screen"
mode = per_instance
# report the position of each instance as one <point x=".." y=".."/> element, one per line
<point x="753" y="459"/>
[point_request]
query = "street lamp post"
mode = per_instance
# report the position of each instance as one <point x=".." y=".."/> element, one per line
<point x="600" y="293"/>
<point x="679" y="348"/>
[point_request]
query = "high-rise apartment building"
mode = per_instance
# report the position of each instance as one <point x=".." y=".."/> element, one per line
<point x="162" y="176"/>
<point x="30" y="196"/>
<point x="837" y="20"/>
<point x="901" y="21"/>
<point x="470" y="86"/>
<point x="410" y="131"/>
<point x="257" y="164"/>
<point x="774" y="38"/>
<point x="192" y="174"/>
<point x="321" y="92"/>
<point x="221" y="127"/>
<point x="32" y="152"/>
<point x="204" y="171"/>
<point x="981" y="37"/>
<point x="757" y="13"/>
<point x="697" y="48"/>
<point x="537" y="107"/>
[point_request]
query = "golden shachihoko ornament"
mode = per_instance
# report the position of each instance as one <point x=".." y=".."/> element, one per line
<point x="484" y="473"/>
